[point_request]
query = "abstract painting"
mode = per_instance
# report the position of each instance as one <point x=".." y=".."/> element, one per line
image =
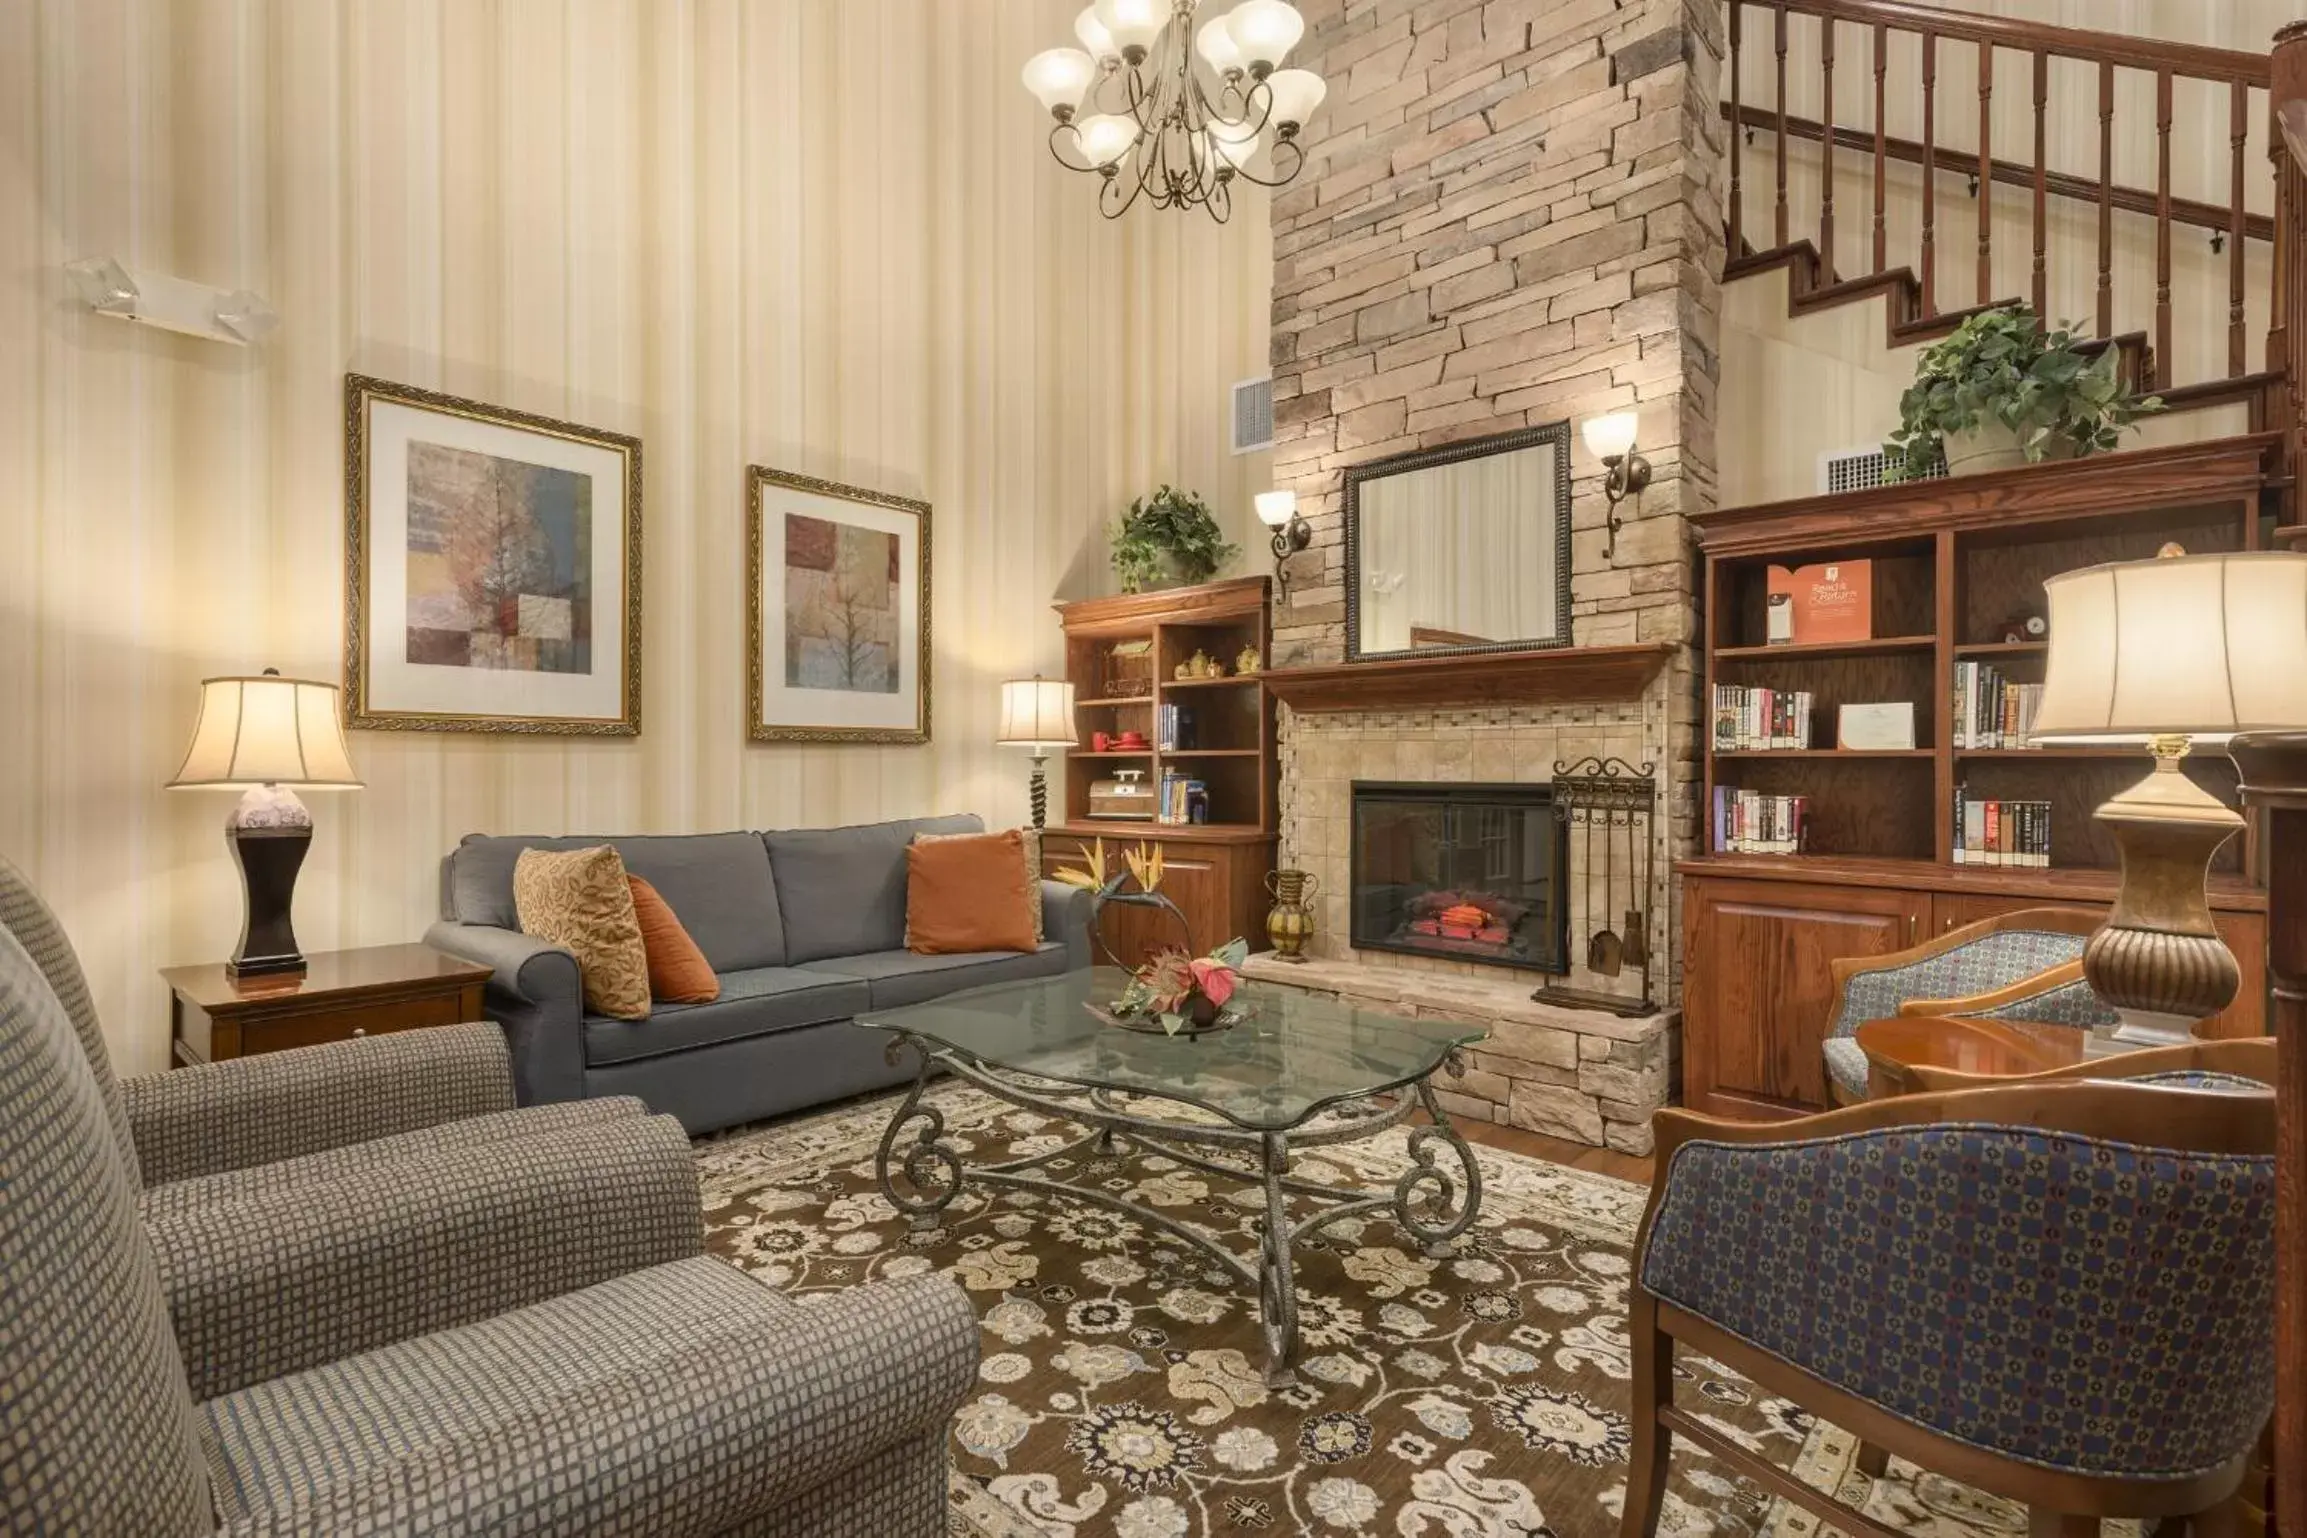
<point x="837" y="587"/>
<point x="493" y="567"/>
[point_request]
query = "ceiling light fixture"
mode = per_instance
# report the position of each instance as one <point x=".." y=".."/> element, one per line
<point x="1162" y="111"/>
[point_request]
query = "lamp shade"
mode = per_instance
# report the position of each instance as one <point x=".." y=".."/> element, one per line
<point x="1275" y="508"/>
<point x="1296" y="93"/>
<point x="1105" y="138"/>
<point x="1264" y="31"/>
<point x="1610" y="437"/>
<point x="266" y="730"/>
<point x="1037" y="713"/>
<point x="1058" y="76"/>
<point x="2201" y="646"/>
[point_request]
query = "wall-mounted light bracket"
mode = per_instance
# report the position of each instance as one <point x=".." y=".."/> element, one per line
<point x="1278" y="510"/>
<point x="175" y="304"/>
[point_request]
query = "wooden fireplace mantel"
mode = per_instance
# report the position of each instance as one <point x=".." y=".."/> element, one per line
<point x="1569" y="674"/>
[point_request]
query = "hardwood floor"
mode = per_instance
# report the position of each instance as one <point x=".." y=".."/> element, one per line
<point x="1537" y="1145"/>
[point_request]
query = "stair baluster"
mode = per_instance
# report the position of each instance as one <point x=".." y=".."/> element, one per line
<point x="1986" y="173"/>
<point x="2042" y="181"/>
<point x="2238" y="132"/>
<point x="1881" y="149"/>
<point x="1930" y="259"/>
<point x="2162" y="228"/>
<point x="1826" y="149"/>
<point x="1737" y="242"/>
<point x="2106" y="198"/>
<point x="1780" y="39"/>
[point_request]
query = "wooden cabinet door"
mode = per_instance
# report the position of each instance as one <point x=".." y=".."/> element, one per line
<point x="1191" y="877"/>
<point x="1758" y="986"/>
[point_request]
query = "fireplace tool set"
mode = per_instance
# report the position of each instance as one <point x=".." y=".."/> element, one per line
<point x="1604" y="806"/>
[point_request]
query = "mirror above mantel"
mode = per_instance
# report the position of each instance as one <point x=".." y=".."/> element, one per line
<point x="1460" y="550"/>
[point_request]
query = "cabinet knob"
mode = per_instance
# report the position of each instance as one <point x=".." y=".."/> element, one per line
<point x="1911" y="921"/>
<point x="359" y="1031"/>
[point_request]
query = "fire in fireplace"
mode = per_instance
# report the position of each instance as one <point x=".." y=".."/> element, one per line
<point x="1470" y="872"/>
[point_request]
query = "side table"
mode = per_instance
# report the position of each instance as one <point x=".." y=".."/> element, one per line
<point x="339" y="995"/>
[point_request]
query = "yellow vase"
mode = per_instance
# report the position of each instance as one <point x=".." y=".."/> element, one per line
<point x="1290" y="922"/>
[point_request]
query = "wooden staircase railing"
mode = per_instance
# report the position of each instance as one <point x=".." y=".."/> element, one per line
<point x="1759" y="239"/>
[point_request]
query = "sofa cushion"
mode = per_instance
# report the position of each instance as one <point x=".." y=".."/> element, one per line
<point x="752" y="1003"/>
<point x="718" y="884"/>
<point x="842" y="890"/>
<point x="967" y="894"/>
<point x="899" y="977"/>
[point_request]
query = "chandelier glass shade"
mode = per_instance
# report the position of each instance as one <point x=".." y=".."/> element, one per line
<point x="1162" y="104"/>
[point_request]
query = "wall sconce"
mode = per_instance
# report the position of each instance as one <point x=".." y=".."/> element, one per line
<point x="217" y="315"/>
<point x="1611" y="440"/>
<point x="1278" y="510"/>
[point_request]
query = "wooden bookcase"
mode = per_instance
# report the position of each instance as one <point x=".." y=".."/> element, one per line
<point x="1953" y="560"/>
<point x="1216" y="870"/>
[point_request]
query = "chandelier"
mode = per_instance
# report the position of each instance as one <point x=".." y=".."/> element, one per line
<point x="1135" y="109"/>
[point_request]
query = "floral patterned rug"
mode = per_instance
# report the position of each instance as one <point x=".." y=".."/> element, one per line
<point x="1121" y="1390"/>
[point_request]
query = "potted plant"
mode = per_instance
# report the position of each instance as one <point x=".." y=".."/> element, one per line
<point x="1168" y="537"/>
<point x="2002" y="391"/>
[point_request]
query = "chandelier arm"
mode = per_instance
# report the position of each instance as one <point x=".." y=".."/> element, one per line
<point x="1280" y="178"/>
<point x="1058" y="154"/>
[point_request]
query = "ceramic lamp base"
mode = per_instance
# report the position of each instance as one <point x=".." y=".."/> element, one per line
<point x="269" y="832"/>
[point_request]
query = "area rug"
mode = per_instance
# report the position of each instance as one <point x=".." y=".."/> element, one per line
<point x="1121" y="1391"/>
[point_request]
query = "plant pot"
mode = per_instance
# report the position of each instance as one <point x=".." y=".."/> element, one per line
<point x="1989" y="446"/>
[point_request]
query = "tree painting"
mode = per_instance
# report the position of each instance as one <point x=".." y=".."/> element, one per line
<point x="841" y="589"/>
<point x="499" y="562"/>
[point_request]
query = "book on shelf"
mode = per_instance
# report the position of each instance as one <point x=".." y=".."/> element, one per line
<point x="1179" y="796"/>
<point x="1832" y="601"/>
<point x="1748" y="822"/>
<point x="1992" y="711"/>
<point x="1174" y="729"/>
<point x="2008" y="834"/>
<point x="1749" y="719"/>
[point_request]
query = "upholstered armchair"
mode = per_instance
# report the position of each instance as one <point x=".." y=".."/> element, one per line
<point x="2015" y="966"/>
<point x="2061" y="1293"/>
<point x="294" y="1201"/>
<point x="682" y="1398"/>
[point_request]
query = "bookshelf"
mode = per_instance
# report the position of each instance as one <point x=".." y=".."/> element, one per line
<point x="1954" y="562"/>
<point x="1122" y="655"/>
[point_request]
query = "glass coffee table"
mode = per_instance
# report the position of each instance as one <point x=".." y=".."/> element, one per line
<point x="1300" y="1071"/>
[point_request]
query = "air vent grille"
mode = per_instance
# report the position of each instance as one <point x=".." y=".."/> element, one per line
<point x="1253" y="415"/>
<point x="1862" y="470"/>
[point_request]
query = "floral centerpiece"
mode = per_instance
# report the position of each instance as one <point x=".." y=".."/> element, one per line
<point x="1186" y="993"/>
<point x="1178" y="991"/>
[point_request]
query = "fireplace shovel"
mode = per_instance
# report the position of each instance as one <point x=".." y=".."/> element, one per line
<point x="1637" y="950"/>
<point x="1605" y="953"/>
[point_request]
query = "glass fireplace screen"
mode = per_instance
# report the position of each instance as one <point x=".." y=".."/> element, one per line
<point x="1471" y="872"/>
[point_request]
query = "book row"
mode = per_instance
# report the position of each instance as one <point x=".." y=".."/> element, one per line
<point x="1746" y="719"/>
<point x="1991" y="711"/>
<point x="1748" y="822"/>
<point x="2005" y="833"/>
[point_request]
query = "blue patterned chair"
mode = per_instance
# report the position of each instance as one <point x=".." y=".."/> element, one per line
<point x="2060" y="1293"/>
<point x="2008" y="967"/>
<point x="683" y="1398"/>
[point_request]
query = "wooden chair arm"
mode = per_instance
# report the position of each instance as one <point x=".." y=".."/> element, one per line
<point x="2247" y="1058"/>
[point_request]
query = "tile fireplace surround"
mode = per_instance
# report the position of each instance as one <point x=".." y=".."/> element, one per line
<point x="1586" y="1075"/>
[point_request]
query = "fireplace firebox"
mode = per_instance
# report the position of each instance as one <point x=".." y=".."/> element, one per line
<point x="1468" y="872"/>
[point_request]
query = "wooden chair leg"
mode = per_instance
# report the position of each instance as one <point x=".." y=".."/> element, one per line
<point x="2224" y="1520"/>
<point x="2052" y="1524"/>
<point x="1653" y="1443"/>
<point x="1873" y="1461"/>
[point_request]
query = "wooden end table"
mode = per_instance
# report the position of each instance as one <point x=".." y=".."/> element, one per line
<point x="339" y="995"/>
<point x="1990" y="1048"/>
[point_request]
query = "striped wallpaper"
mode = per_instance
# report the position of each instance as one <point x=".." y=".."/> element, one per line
<point x="822" y="235"/>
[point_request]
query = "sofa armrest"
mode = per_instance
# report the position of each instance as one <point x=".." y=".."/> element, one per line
<point x="712" y="1434"/>
<point x="213" y="1117"/>
<point x="280" y="1281"/>
<point x="1065" y="916"/>
<point x="537" y="995"/>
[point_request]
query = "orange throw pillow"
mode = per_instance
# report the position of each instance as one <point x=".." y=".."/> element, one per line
<point x="678" y="971"/>
<point x="967" y="894"/>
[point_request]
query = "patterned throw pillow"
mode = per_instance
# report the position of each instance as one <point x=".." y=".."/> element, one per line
<point x="581" y="901"/>
<point x="1031" y="839"/>
<point x="964" y="895"/>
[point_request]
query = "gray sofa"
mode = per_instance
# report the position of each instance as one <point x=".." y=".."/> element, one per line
<point x="806" y="929"/>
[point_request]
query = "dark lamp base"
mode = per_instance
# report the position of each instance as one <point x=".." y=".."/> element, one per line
<point x="269" y="859"/>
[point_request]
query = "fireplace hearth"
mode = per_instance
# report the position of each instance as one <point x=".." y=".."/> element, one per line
<point x="1464" y="872"/>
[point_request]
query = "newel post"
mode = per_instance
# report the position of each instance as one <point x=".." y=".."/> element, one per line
<point x="2287" y="146"/>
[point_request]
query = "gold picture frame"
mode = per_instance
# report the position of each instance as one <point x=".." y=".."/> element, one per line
<point x="834" y="662"/>
<point x="542" y="645"/>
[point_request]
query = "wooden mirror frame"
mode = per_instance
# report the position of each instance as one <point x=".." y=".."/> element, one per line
<point x="1554" y="434"/>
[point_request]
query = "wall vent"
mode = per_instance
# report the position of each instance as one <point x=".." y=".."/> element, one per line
<point x="1254" y="415"/>
<point x="1859" y="470"/>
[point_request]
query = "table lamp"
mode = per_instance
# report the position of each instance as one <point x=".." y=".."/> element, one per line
<point x="261" y="736"/>
<point x="1037" y="713"/>
<point x="2170" y="654"/>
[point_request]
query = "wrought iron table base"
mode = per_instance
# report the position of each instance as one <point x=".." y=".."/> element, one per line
<point x="1431" y="1204"/>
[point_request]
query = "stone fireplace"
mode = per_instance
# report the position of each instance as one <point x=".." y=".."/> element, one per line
<point x="1463" y="872"/>
<point x="1510" y="216"/>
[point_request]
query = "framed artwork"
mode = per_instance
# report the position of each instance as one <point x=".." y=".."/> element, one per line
<point x="837" y="605"/>
<point x="492" y="568"/>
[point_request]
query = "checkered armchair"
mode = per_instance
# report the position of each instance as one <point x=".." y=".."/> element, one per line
<point x="678" y="1398"/>
<point x="2015" y="966"/>
<point x="2062" y="1293"/>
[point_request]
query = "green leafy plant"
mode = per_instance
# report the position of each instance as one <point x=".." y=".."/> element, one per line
<point x="2002" y="367"/>
<point x="1170" y="525"/>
